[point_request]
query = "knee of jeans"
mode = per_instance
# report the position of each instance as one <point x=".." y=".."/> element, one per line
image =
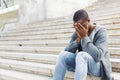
<point x="62" y="55"/>
<point x="84" y="55"/>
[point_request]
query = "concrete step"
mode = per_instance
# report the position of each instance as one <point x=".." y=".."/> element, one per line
<point x="30" y="57"/>
<point x="40" y="50"/>
<point x="48" y="42"/>
<point x="51" y="32"/>
<point x="109" y="16"/>
<point x="114" y="37"/>
<point x="37" y="37"/>
<point x="40" y="58"/>
<point x="111" y="21"/>
<point x="113" y="45"/>
<point x="97" y="5"/>
<point x="30" y="67"/>
<point x="54" y="27"/>
<point x="66" y="26"/>
<point x="54" y="36"/>
<point x="39" y="28"/>
<point x="103" y="2"/>
<point x="33" y="68"/>
<point x="58" y="43"/>
<point x="114" y="51"/>
<point x="45" y="32"/>
<point x="64" y="42"/>
<point x="64" y="20"/>
<point x="15" y="75"/>
<point x="115" y="56"/>
<point x="97" y="18"/>
<point x="104" y="11"/>
<point x="96" y="14"/>
<point x="115" y="64"/>
<point x="103" y="22"/>
<point x="92" y="14"/>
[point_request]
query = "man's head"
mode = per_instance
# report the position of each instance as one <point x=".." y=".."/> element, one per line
<point x="81" y="16"/>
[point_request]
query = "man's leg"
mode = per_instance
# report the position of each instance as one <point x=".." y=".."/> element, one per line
<point x="85" y="64"/>
<point x="64" y="60"/>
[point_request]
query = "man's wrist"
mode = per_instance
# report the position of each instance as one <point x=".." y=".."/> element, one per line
<point x="84" y="36"/>
<point x="78" y="40"/>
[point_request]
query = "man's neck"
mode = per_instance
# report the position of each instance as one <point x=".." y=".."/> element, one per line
<point x="91" y="28"/>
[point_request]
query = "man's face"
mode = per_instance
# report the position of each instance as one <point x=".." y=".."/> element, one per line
<point x="83" y="22"/>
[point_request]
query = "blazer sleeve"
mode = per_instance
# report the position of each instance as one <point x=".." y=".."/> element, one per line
<point x="99" y="47"/>
<point x="73" y="44"/>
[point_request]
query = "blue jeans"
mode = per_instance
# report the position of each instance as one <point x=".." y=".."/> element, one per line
<point x="80" y="63"/>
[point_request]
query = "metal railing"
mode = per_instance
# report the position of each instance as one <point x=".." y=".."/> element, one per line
<point x="7" y="3"/>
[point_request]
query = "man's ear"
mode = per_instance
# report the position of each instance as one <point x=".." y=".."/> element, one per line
<point x="88" y="20"/>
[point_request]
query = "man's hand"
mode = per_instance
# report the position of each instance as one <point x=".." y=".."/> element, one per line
<point x="81" y="31"/>
<point x="78" y="35"/>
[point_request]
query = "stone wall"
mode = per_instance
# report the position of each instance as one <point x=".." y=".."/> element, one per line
<point x="37" y="10"/>
<point x="61" y="8"/>
<point x="31" y="11"/>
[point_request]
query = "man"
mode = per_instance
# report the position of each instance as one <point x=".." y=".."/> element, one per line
<point x="87" y="52"/>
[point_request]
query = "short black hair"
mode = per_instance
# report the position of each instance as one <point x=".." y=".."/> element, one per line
<point x="80" y="14"/>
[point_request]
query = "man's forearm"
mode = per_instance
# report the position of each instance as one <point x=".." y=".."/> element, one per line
<point x="72" y="47"/>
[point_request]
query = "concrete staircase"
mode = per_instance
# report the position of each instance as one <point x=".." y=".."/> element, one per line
<point x="30" y="52"/>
